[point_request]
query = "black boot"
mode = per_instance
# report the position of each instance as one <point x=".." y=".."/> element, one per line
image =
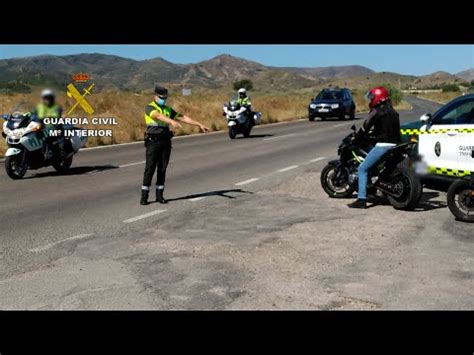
<point x="359" y="203"/>
<point x="159" y="196"/>
<point x="144" y="199"/>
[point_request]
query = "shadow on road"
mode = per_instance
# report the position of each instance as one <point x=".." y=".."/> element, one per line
<point x="221" y="193"/>
<point x="80" y="170"/>
<point x="256" y="136"/>
<point x="425" y="204"/>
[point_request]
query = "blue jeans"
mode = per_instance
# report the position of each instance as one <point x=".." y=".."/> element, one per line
<point x="372" y="158"/>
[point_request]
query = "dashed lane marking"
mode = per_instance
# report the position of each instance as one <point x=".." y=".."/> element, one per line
<point x="245" y="182"/>
<point x="278" y="137"/>
<point x="317" y="159"/>
<point x="143" y="216"/>
<point x="287" y="168"/>
<point x="131" y="164"/>
<point x="51" y="245"/>
<point x="197" y="198"/>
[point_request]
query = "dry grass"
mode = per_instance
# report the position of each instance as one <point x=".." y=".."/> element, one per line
<point x="204" y="106"/>
<point x="441" y="97"/>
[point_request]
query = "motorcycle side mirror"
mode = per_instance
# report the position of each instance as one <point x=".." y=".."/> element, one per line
<point x="426" y="117"/>
<point x="5" y="116"/>
<point x="354" y="127"/>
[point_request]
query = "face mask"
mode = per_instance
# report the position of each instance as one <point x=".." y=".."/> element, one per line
<point x="161" y="102"/>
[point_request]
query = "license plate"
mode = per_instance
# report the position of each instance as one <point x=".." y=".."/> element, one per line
<point x="323" y="110"/>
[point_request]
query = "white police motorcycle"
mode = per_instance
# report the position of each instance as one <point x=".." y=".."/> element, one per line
<point x="239" y="119"/>
<point x="27" y="150"/>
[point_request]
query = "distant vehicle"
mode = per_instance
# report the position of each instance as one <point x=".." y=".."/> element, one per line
<point x="332" y="102"/>
<point x="239" y="119"/>
<point x="445" y="139"/>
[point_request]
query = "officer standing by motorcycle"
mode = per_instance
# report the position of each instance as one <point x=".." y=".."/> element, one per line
<point x="383" y="124"/>
<point x="158" y="118"/>
<point x="48" y="108"/>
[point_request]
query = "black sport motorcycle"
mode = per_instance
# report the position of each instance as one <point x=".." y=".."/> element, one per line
<point x="461" y="199"/>
<point x="391" y="177"/>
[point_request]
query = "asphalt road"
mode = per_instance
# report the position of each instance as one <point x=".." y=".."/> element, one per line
<point x="46" y="218"/>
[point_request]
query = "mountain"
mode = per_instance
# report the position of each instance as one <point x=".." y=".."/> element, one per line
<point x="467" y="75"/>
<point x="435" y="79"/>
<point x="333" y="72"/>
<point x="114" y="72"/>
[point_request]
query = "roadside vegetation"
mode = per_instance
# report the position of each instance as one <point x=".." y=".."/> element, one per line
<point x="204" y="105"/>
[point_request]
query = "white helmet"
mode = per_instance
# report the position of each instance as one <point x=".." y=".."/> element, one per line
<point x="47" y="93"/>
<point x="242" y="91"/>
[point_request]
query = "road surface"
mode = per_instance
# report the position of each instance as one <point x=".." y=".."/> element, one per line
<point x="83" y="241"/>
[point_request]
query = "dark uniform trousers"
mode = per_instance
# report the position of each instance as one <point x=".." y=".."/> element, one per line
<point x="158" y="153"/>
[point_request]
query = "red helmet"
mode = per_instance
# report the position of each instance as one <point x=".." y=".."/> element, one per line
<point x="377" y="95"/>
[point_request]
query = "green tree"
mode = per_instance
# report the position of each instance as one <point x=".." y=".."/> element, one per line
<point x="395" y="94"/>
<point x="244" y="83"/>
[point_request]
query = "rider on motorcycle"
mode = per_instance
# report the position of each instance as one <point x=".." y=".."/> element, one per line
<point x="244" y="100"/>
<point x="383" y="124"/>
<point x="48" y="109"/>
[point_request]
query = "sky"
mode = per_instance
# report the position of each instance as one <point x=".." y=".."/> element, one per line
<point x="403" y="59"/>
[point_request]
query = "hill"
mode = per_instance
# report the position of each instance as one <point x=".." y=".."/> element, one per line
<point x="467" y="75"/>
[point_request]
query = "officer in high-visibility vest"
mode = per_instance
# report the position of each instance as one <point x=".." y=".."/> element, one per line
<point x="48" y="108"/>
<point x="158" y="118"/>
<point x="244" y="100"/>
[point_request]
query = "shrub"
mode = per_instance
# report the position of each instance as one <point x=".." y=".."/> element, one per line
<point x="245" y="83"/>
<point x="450" y="88"/>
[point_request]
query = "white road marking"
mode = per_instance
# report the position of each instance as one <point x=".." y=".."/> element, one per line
<point x="278" y="137"/>
<point x="51" y="245"/>
<point x="245" y="182"/>
<point x="142" y="216"/>
<point x="131" y="164"/>
<point x="317" y="159"/>
<point x="197" y="198"/>
<point x="287" y="168"/>
<point x="340" y="124"/>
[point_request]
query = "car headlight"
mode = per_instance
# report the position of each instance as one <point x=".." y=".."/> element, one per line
<point x="335" y="106"/>
<point x="312" y="106"/>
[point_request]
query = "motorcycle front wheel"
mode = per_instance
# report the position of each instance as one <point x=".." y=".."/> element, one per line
<point x="232" y="133"/>
<point x="335" y="181"/>
<point x="408" y="190"/>
<point x="460" y="200"/>
<point x="14" y="167"/>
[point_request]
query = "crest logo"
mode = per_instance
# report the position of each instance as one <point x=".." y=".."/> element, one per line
<point x="80" y="77"/>
<point x="74" y="93"/>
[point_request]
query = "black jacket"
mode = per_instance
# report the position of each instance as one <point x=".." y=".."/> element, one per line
<point x="384" y="124"/>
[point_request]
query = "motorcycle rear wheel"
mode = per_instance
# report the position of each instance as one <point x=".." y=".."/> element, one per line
<point x="411" y="190"/>
<point x="247" y="131"/>
<point x="63" y="166"/>
<point x="13" y="167"/>
<point x="333" y="189"/>
<point x="458" y="194"/>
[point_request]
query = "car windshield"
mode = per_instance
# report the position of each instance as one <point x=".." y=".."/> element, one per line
<point x="329" y="95"/>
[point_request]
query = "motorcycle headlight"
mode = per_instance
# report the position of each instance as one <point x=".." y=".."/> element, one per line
<point x="312" y="106"/>
<point x="335" y="106"/>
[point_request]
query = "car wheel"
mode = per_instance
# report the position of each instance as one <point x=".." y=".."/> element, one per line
<point x="353" y="113"/>
<point x="311" y="118"/>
